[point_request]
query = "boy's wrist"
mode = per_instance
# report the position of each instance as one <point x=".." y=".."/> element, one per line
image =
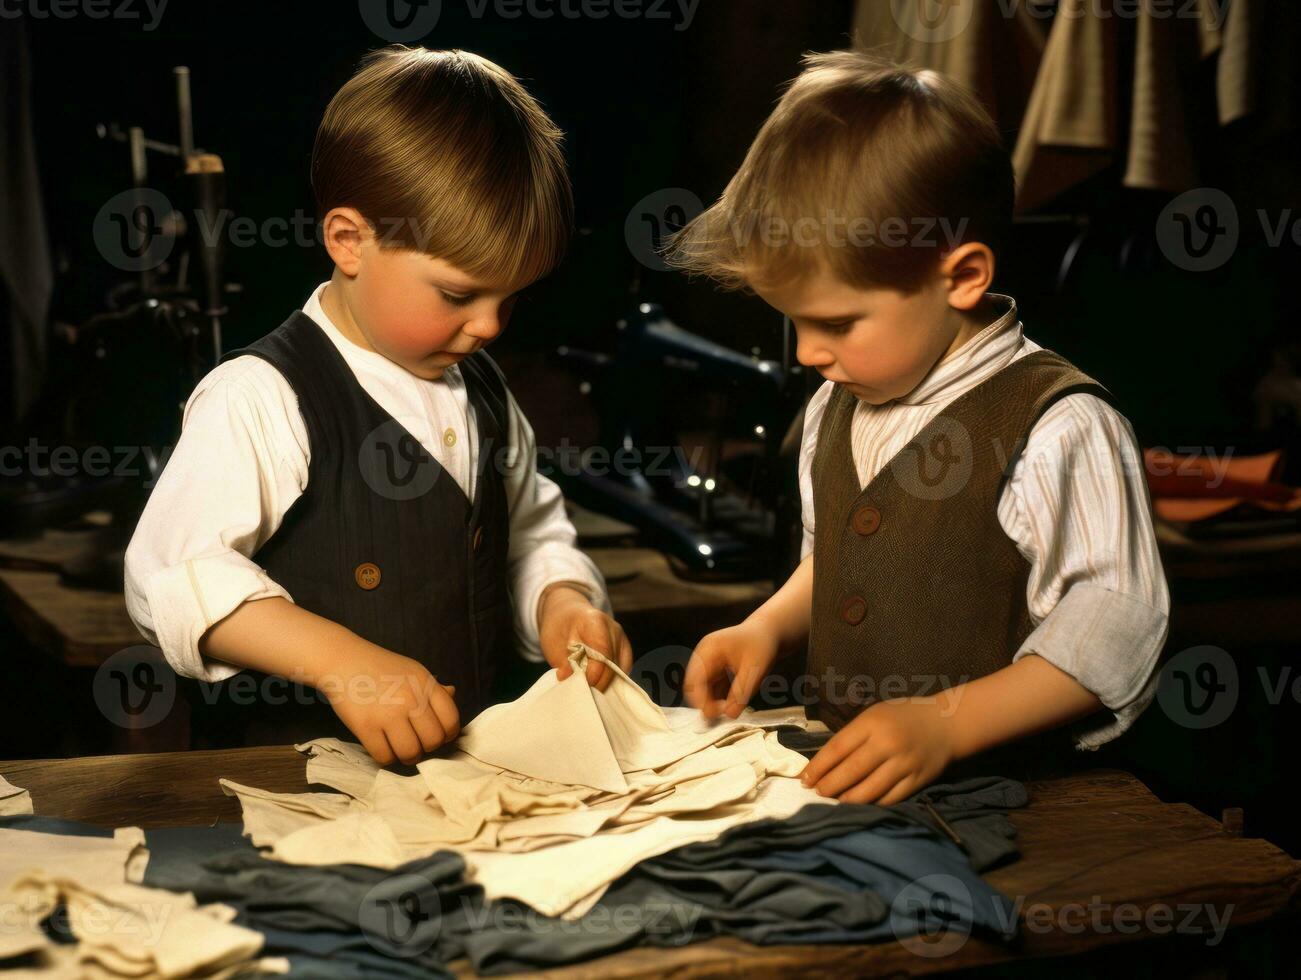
<point x="348" y="655"/>
<point x="775" y="629"/>
<point x="963" y="742"/>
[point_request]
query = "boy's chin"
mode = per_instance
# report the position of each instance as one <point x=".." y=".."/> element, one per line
<point x="869" y="396"/>
<point x="426" y="371"/>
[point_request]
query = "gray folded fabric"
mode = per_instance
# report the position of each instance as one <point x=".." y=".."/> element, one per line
<point x="825" y="875"/>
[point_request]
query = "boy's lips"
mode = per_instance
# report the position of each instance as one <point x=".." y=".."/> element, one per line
<point x="453" y="355"/>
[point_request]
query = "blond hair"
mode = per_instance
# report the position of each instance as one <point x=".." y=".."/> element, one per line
<point x="856" y="142"/>
<point x="445" y="153"/>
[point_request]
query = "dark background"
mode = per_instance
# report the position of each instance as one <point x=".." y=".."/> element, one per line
<point x="647" y="107"/>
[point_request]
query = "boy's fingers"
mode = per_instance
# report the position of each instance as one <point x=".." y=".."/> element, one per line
<point x="856" y="767"/>
<point x="901" y="790"/>
<point x="402" y="740"/>
<point x="743" y="687"/>
<point x="873" y="787"/>
<point x="427" y="727"/>
<point x="448" y="716"/>
<point x="376" y="745"/>
<point x="698" y="682"/>
<point x="828" y="757"/>
<point x="625" y="653"/>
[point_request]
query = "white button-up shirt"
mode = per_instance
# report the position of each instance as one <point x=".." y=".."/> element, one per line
<point x="242" y="460"/>
<point x="1076" y="506"/>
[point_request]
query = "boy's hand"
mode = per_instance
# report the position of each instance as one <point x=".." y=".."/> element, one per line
<point x="890" y="751"/>
<point x="394" y="706"/>
<point x="565" y="616"/>
<point x="745" y="652"/>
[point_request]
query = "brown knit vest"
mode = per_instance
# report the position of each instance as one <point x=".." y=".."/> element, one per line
<point x="916" y="586"/>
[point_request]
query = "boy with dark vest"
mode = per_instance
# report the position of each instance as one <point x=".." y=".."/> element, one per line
<point x="979" y="559"/>
<point x="353" y="505"/>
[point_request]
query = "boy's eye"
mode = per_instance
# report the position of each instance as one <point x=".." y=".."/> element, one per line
<point x="836" y="326"/>
<point x="456" y="300"/>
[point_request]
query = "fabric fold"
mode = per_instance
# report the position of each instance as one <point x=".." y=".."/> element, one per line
<point x="548" y="798"/>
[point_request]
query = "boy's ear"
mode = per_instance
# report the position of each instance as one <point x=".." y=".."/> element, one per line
<point x="345" y="231"/>
<point x="969" y="269"/>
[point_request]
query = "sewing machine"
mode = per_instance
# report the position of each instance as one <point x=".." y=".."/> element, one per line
<point x="692" y="432"/>
<point x="118" y="379"/>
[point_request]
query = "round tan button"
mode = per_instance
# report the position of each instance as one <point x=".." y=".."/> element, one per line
<point x="367" y="575"/>
<point x="852" y="609"/>
<point x="478" y="537"/>
<point x="865" y="519"/>
<point x="449" y="438"/>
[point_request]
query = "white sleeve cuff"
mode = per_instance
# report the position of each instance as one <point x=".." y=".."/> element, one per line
<point x="550" y="564"/>
<point x="187" y="598"/>
<point x="1109" y="642"/>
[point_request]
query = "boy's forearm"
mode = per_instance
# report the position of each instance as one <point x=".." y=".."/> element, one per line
<point x="1022" y="699"/>
<point x="275" y="636"/>
<point x="787" y="612"/>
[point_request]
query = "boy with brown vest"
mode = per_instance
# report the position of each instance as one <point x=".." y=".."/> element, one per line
<point x="354" y="504"/>
<point x="979" y="559"/>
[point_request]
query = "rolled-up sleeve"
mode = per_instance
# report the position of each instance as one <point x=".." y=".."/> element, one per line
<point x="543" y="542"/>
<point x="1077" y="505"/>
<point x="240" y="463"/>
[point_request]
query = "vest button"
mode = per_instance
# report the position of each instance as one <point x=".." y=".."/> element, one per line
<point x="367" y="575"/>
<point x="865" y="519"/>
<point x="478" y="537"/>
<point x="852" y="609"/>
<point x="449" y="438"/>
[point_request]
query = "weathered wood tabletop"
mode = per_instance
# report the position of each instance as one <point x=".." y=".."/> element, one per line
<point x="1103" y="862"/>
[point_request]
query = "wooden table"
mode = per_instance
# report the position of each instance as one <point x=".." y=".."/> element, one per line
<point x="1102" y="858"/>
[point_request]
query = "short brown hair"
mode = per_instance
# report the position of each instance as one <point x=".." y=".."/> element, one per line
<point x="859" y="141"/>
<point x="445" y="153"/>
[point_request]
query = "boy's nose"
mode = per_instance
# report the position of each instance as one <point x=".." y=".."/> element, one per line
<point x="813" y="355"/>
<point x="484" y="328"/>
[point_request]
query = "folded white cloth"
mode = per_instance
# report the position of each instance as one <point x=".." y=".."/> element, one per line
<point x="549" y="798"/>
<point x="14" y="801"/>
<point x="122" y="928"/>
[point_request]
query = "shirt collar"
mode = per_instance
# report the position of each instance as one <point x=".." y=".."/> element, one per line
<point x="992" y="349"/>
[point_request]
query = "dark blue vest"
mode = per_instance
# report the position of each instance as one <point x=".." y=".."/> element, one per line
<point x="382" y="541"/>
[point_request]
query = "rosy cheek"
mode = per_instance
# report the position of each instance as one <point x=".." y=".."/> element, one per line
<point x="412" y="337"/>
<point x="416" y="330"/>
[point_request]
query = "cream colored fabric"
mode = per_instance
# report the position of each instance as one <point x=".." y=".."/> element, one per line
<point x="13" y="800"/>
<point x="549" y="797"/>
<point x="1056" y="79"/>
<point x="1071" y="128"/>
<point x="122" y="928"/>
<point x="978" y="44"/>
